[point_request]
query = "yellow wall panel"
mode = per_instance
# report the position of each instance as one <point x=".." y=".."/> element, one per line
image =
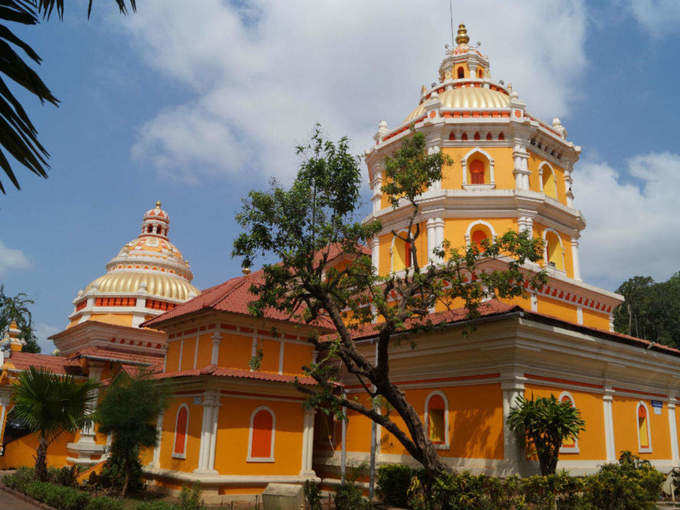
<point x="624" y="410"/>
<point x="167" y="461"/>
<point x="235" y="351"/>
<point x="270" y="355"/>
<point x="595" y="319"/>
<point x="556" y="308"/>
<point x="172" y="356"/>
<point x="204" y="351"/>
<point x="188" y="351"/>
<point x="452" y="175"/>
<point x="295" y="356"/>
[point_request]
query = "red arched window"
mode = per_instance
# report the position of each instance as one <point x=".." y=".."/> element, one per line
<point x="461" y="73"/>
<point x="464" y="137"/>
<point x="643" y="428"/>
<point x="569" y="443"/>
<point x="408" y="259"/>
<point x="477" y="237"/>
<point x="261" y="447"/>
<point x="452" y="135"/>
<point x="477" y="136"/>
<point x="436" y="419"/>
<point x="179" y="450"/>
<point x="488" y="136"/>
<point x="501" y="136"/>
<point x="476" y="171"/>
<point x="480" y="73"/>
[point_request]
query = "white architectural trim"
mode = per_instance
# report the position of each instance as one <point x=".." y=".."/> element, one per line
<point x="281" y="355"/>
<point x="447" y="443"/>
<point x="307" y="444"/>
<point x="492" y="163"/>
<point x="649" y="427"/>
<point x="206" y="453"/>
<point x="181" y="352"/>
<point x="182" y="455"/>
<point x="196" y="349"/>
<point x="250" y="458"/>
<point x="673" y="430"/>
<point x="474" y="224"/>
<point x="215" y="353"/>
<point x="570" y="449"/>
<point x="156" y="461"/>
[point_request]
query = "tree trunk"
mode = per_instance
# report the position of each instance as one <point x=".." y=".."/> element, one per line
<point x="126" y="481"/>
<point x="41" y="459"/>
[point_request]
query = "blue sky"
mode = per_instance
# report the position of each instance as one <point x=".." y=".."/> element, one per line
<point x="195" y="103"/>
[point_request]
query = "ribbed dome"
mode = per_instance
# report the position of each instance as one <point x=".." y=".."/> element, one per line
<point x="466" y="97"/>
<point x="158" y="285"/>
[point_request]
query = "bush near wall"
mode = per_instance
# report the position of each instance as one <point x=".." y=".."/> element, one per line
<point x="631" y="484"/>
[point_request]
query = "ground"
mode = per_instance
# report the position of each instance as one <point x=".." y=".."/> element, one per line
<point x="9" y="502"/>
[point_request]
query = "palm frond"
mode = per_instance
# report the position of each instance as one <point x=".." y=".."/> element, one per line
<point x="47" y="7"/>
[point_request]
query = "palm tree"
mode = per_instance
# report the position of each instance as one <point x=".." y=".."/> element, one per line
<point x="50" y="404"/>
<point x="18" y="135"/>
<point x="545" y="423"/>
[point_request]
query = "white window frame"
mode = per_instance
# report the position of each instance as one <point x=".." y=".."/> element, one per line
<point x="545" y="251"/>
<point x="492" y="175"/>
<point x="250" y="457"/>
<point x="471" y="227"/>
<point x="447" y="444"/>
<point x="540" y="179"/>
<point x="182" y="455"/>
<point x="649" y="428"/>
<point x="572" y="449"/>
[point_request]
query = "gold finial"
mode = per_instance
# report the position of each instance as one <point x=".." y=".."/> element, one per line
<point x="462" y="37"/>
<point x="158" y="204"/>
<point x="245" y="270"/>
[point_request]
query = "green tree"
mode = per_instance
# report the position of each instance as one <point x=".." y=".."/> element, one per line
<point x="544" y="424"/>
<point x="18" y="135"/>
<point x="321" y="209"/>
<point x="50" y="404"/>
<point x="651" y="310"/>
<point x="16" y="309"/>
<point x="128" y="411"/>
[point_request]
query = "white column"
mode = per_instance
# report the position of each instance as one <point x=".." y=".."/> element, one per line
<point x="156" y="462"/>
<point x="610" y="445"/>
<point x="439" y="234"/>
<point x="673" y="430"/>
<point x="513" y="387"/>
<point x="463" y="167"/>
<point x="206" y="452"/>
<point x="215" y="354"/>
<point x="377" y="192"/>
<point x="579" y="315"/>
<point x="492" y="174"/>
<point x="521" y="167"/>
<point x="431" y="238"/>
<point x="308" y="444"/>
<point x="87" y="432"/>
<point x="574" y="258"/>
<point x="375" y="253"/>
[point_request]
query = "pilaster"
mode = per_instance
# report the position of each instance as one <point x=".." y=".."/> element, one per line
<point x="156" y="462"/>
<point x="215" y="353"/>
<point x="206" y="452"/>
<point x="375" y="254"/>
<point x="607" y="400"/>
<point x="512" y="386"/>
<point x="308" y="444"/>
<point x="575" y="259"/>
<point x="673" y="429"/>
<point x="520" y="158"/>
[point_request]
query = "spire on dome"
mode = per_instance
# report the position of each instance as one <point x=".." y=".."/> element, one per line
<point x="156" y="222"/>
<point x="462" y="37"/>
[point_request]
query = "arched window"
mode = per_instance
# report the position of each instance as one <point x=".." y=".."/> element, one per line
<point x="261" y="440"/>
<point x="437" y="419"/>
<point x="477" y="231"/>
<point x="149" y="229"/>
<point x="158" y="229"/>
<point x="461" y="73"/>
<point x="554" y="255"/>
<point x="464" y="137"/>
<point x="401" y="254"/>
<point x="644" y="432"/>
<point x="452" y="135"/>
<point x="569" y="445"/>
<point x="548" y="181"/>
<point x="489" y="137"/>
<point x="501" y="136"/>
<point x="477" y="136"/>
<point x="408" y="255"/>
<point x="480" y="73"/>
<point x="477" y="171"/>
<point x="179" y="449"/>
<point x="478" y="236"/>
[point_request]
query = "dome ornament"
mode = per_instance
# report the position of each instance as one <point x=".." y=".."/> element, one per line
<point x="462" y="37"/>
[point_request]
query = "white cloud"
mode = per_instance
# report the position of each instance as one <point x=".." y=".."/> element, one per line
<point x="12" y="259"/>
<point x="260" y="75"/>
<point x="658" y="17"/>
<point x="632" y="226"/>
<point x="43" y="331"/>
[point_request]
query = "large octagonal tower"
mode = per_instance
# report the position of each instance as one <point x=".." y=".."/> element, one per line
<point x="509" y="171"/>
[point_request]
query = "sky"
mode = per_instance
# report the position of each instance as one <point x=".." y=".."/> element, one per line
<point x="196" y="103"/>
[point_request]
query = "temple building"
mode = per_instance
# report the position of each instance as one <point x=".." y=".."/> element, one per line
<point x="236" y="420"/>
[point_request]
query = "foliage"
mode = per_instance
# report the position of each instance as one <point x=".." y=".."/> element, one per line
<point x="190" y="498"/>
<point x="156" y="505"/>
<point x="50" y="404"/>
<point x="303" y="225"/>
<point x="128" y="411"/>
<point x="59" y="496"/>
<point x="651" y="310"/>
<point x="393" y="482"/>
<point x="18" y="135"/>
<point x="66" y="476"/>
<point x="632" y="484"/>
<point x="19" y="479"/>
<point x="348" y="496"/>
<point x="545" y="423"/>
<point x="312" y="492"/>
<point x="16" y="309"/>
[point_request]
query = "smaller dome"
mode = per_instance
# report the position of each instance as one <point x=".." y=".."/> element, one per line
<point x="466" y="98"/>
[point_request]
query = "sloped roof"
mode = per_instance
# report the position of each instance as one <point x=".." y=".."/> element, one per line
<point x="56" y="364"/>
<point x="236" y="373"/>
<point x="125" y="358"/>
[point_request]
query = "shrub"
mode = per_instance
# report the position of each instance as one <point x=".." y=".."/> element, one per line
<point x="190" y="498"/>
<point x="66" y="476"/>
<point x="19" y="479"/>
<point x="632" y="484"/>
<point x="348" y="496"/>
<point x="312" y="492"/>
<point x="156" y="505"/>
<point x="393" y="483"/>
<point x="104" y="503"/>
<point x="61" y="498"/>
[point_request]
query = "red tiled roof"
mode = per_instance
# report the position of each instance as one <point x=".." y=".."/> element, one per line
<point x="55" y="364"/>
<point x="488" y="309"/>
<point x="238" y="374"/>
<point x="123" y="357"/>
